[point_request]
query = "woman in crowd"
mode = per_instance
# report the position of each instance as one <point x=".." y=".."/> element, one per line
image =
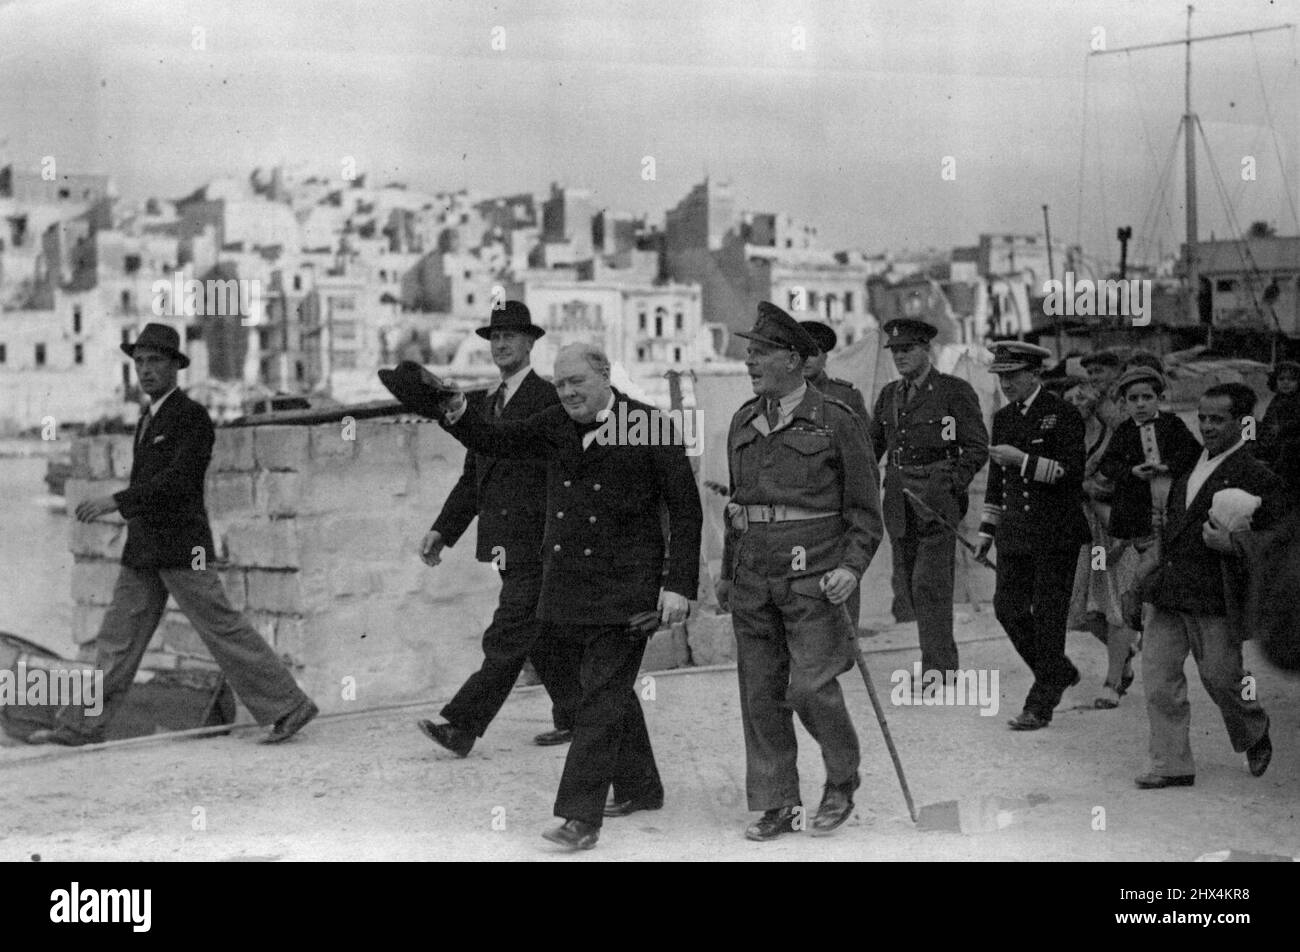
<point x="1283" y="413"/>
<point x="1104" y="567"/>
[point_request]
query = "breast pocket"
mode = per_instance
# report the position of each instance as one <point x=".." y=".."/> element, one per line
<point x="804" y="455"/>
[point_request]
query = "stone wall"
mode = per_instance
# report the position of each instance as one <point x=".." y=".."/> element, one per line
<point x="317" y="536"/>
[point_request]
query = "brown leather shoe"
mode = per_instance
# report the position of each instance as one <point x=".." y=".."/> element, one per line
<point x="836" y="807"/>
<point x="291" y="723"/>
<point x="574" y="834"/>
<point x="1028" y="721"/>
<point x="648" y="801"/>
<point x="1153" y="781"/>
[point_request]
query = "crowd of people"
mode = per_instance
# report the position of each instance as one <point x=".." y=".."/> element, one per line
<point x="1105" y="510"/>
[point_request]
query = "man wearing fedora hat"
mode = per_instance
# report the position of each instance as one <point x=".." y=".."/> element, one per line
<point x="929" y="427"/>
<point x="168" y="546"/>
<point x="1033" y="509"/>
<point x="509" y="498"/>
<point x="804" y="523"/>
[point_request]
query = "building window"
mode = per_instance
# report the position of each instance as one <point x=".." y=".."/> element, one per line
<point x="345" y="330"/>
<point x="132" y="264"/>
<point x="640" y="321"/>
<point x="1225" y="284"/>
<point x="469" y="300"/>
<point x="677" y="355"/>
<point x="679" y="322"/>
<point x="660" y="314"/>
<point x="126" y="300"/>
<point x="3" y="353"/>
<point x="467" y="275"/>
<point x="299" y="372"/>
<point x="78" y="356"/>
<point x="640" y="354"/>
<point x="848" y="302"/>
<point x="126" y="335"/>
<point x="40" y="355"/>
<point x="76" y="318"/>
<point x="126" y="378"/>
<point x="297" y="282"/>
<point x="813" y="300"/>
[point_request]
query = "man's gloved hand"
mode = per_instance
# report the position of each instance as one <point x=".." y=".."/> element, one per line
<point x="838" y="584"/>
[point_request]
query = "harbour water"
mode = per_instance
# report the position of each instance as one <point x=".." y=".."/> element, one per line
<point x="35" y="564"/>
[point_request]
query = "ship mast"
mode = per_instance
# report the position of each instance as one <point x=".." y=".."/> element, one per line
<point x="1189" y="144"/>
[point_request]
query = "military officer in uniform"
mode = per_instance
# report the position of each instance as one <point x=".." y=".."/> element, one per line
<point x="1033" y="510"/>
<point x="929" y="427"/>
<point x="804" y="525"/>
<point x="814" y="371"/>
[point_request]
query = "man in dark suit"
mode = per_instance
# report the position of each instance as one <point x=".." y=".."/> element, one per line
<point x="168" y="546"/>
<point x="509" y="498"/>
<point x="1033" y="509"/>
<point x="929" y="427"/>
<point x="613" y="471"/>
<point x="1197" y="593"/>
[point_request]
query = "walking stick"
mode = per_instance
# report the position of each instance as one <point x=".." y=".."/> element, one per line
<point x="880" y="718"/>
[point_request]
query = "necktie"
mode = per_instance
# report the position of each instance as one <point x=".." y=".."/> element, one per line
<point x="773" y="414"/>
<point x="145" y="420"/>
<point x="499" y="402"/>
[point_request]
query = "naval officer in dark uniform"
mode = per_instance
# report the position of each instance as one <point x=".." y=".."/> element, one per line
<point x="814" y="371"/>
<point x="804" y="525"/>
<point x="1033" y="510"/>
<point x="929" y="427"/>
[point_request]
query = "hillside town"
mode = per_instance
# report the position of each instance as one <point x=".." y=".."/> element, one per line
<point x="285" y="284"/>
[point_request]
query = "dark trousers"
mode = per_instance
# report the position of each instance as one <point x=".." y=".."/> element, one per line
<point x="924" y="563"/>
<point x="515" y="634"/>
<point x="791" y="648"/>
<point x="611" y="746"/>
<point x="1032" y="603"/>
<point x="253" y="670"/>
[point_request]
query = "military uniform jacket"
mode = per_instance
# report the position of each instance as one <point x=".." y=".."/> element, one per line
<point x="1038" y="506"/>
<point x="933" y="445"/>
<point x="820" y="461"/>
<point x="604" y="543"/>
<point x="845" y="393"/>
<point x="507" y="495"/>
<point x="163" y="504"/>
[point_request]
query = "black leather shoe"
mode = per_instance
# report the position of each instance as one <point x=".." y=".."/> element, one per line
<point x="455" y="740"/>
<point x="574" y="834"/>
<point x="291" y="723"/>
<point x="836" y="807"/>
<point x="1259" y="755"/>
<point x="552" y="738"/>
<point x="775" y="822"/>
<point x="61" y="736"/>
<point x="1028" y="721"/>
<point x="1157" y="782"/>
<point x="650" y="801"/>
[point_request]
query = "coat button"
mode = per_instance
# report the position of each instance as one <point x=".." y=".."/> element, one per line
<point x="559" y="515"/>
<point x="592" y="519"/>
<point x="586" y="551"/>
<point x="568" y="483"/>
<point x="596" y="487"/>
<point x="556" y="549"/>
<point x="503" y="512"/>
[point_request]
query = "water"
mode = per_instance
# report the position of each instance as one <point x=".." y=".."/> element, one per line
<point x="35" y="564"/>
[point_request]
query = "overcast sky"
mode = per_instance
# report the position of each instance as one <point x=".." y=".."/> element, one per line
<point x="849" y="132"/>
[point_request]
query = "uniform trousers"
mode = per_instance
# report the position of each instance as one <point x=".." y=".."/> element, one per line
<point x="924" y="564"/>
<point x="1032" y="603"/>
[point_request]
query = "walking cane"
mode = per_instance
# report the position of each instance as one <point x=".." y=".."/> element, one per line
<point x="880" y="714"/>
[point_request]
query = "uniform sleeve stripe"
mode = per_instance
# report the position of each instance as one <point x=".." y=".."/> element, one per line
<point x="1047" y="470"/>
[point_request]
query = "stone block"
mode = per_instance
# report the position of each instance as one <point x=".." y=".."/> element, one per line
<point x="275" y="592"/>
<point x="281" y="447"/>
<point x="277" y="493"/>
<point x="334" y="443"/>
<point x="77" y="491"/>
<point x="92" y="457"/>
<point x="233" y="450"/>
<point x="228" y="493"/>
<point x="93" y="581"/>
<point x="385" y="443"/>
<point x="122" y="451"/>
<point x="348" y="485"/>
<point x="86" y="621"/>
<point x="262" y="543"/>
<point x="710" y="638"/>
<point x="99" y="540"/>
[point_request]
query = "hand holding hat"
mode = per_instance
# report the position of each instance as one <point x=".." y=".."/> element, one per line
<point x="418" y="390"/>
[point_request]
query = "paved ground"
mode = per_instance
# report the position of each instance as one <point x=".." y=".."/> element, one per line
<point x="372" y="787"/>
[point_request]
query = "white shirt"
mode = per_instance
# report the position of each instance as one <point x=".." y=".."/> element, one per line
<point x="513" y="382"/>
<point x="154" y="407"/>
<point x="786" y="407"/>
<point x="1204" y="467"/>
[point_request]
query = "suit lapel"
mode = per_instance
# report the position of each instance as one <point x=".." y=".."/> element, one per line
<point x="1195" y="511"/>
